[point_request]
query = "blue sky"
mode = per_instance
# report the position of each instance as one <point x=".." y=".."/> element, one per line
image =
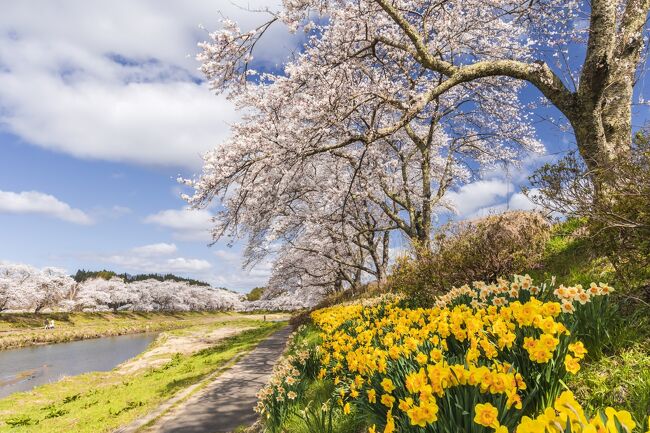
<point x="102" y="107"/>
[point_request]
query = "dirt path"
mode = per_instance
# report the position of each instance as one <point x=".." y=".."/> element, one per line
<point x="227" y="402"/>
<point x="184" y="344"/>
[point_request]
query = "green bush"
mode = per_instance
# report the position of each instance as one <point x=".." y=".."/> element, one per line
<point x="479" y="250"/>
<point x="255" y="294"/>
<point x="616" y="207"/>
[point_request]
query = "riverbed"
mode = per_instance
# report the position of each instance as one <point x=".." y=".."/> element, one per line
<point x="25" y="368"/>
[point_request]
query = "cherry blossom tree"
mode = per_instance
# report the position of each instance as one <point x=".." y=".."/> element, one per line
<point x="47" y="288"/>
<point x="12" y="276"/>
<point x="100" y="294"/>
<point x="583" y="56"/>
<point x="6" y="290"/>
<point x="167" y="295"/>
<point x="391" y="102"/>
<point x="333" y="221"/>
<point x="321" y="262"/>
<point x="199" y="298"/>
<point x="354" y="138"/>
<point x="26" y="288"/>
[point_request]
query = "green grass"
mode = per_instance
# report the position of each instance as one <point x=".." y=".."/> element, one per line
<point x="570" y="257"/>
<point x="319" y="393"/>
<point x="621" y="381"/>
<point x="101" y="402"/>
<point x="18" y="330"/>
<point x="621" y="378"/>
<point x="306" y="414"/>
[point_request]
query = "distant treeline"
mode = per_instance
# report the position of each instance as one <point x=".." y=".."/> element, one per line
<point x="83" y="275"/>
<point x="255" y="294"/>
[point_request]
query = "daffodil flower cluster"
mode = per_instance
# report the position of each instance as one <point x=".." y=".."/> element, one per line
<point x="412" y="369"/>
<point x="285" y="386"/>
<point x="522" y="288"/>
<point x="567" y="415"/>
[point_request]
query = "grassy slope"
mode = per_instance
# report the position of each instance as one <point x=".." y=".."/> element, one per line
<point x="317" y="394"/>
<point x="100" y="402"/>
<point x="18" y="330"/>
<point x="570" y="258"/>
<point x="621" y="377"/>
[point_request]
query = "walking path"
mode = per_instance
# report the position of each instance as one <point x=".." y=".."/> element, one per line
<point x="227" y="403"/>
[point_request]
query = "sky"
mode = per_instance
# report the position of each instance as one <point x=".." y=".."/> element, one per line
<point x="102" y="108"/>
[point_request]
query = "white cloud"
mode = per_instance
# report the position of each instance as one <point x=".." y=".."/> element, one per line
<point x="137" y="263"/>
<point x="117" y="80"/>
<point x="476" y="195"/>
<point x="35" y="202"/>
<point x="145" y="123"/>
<point x="153" y="258"/>
<point x="238" y="279"/>
<point x="228" y="256"/>
<point x="186" y="224"/>
<point x="185" y="265"/>
<point x="517" y="201"/>
<point x="160" y="249"/>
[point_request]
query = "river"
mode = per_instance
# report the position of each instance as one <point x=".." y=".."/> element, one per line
<point x="23" y="369"/>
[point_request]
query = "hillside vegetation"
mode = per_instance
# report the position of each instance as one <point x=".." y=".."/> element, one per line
<point x="343" y="391"/>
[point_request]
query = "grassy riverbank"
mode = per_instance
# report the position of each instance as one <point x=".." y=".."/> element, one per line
<point x="101" y="402"/>
<point x="19" y="330"/>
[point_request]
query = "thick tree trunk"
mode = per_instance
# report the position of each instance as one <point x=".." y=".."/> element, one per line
<point x="601" y="114"/>
<point x="602" y="122"/>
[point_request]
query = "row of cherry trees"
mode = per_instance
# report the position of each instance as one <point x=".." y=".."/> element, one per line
<point x="388" y="105"/>
<point x="25" y="288"/>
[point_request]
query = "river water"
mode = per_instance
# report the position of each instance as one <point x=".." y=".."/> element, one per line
<point x="23" y="369"/>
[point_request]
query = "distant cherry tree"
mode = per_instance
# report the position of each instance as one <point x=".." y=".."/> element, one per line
<point x="101" y="294"/>
<point x="26" y="288"/>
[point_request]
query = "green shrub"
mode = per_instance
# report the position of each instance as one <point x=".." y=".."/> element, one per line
<point x="255" y="294"/>
<point x="616" y="208"/>
<point x="19" y="420"/>
<point x="479" y="250"/>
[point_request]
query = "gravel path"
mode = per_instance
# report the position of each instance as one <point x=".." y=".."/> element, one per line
<point x="227" y="403"/>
